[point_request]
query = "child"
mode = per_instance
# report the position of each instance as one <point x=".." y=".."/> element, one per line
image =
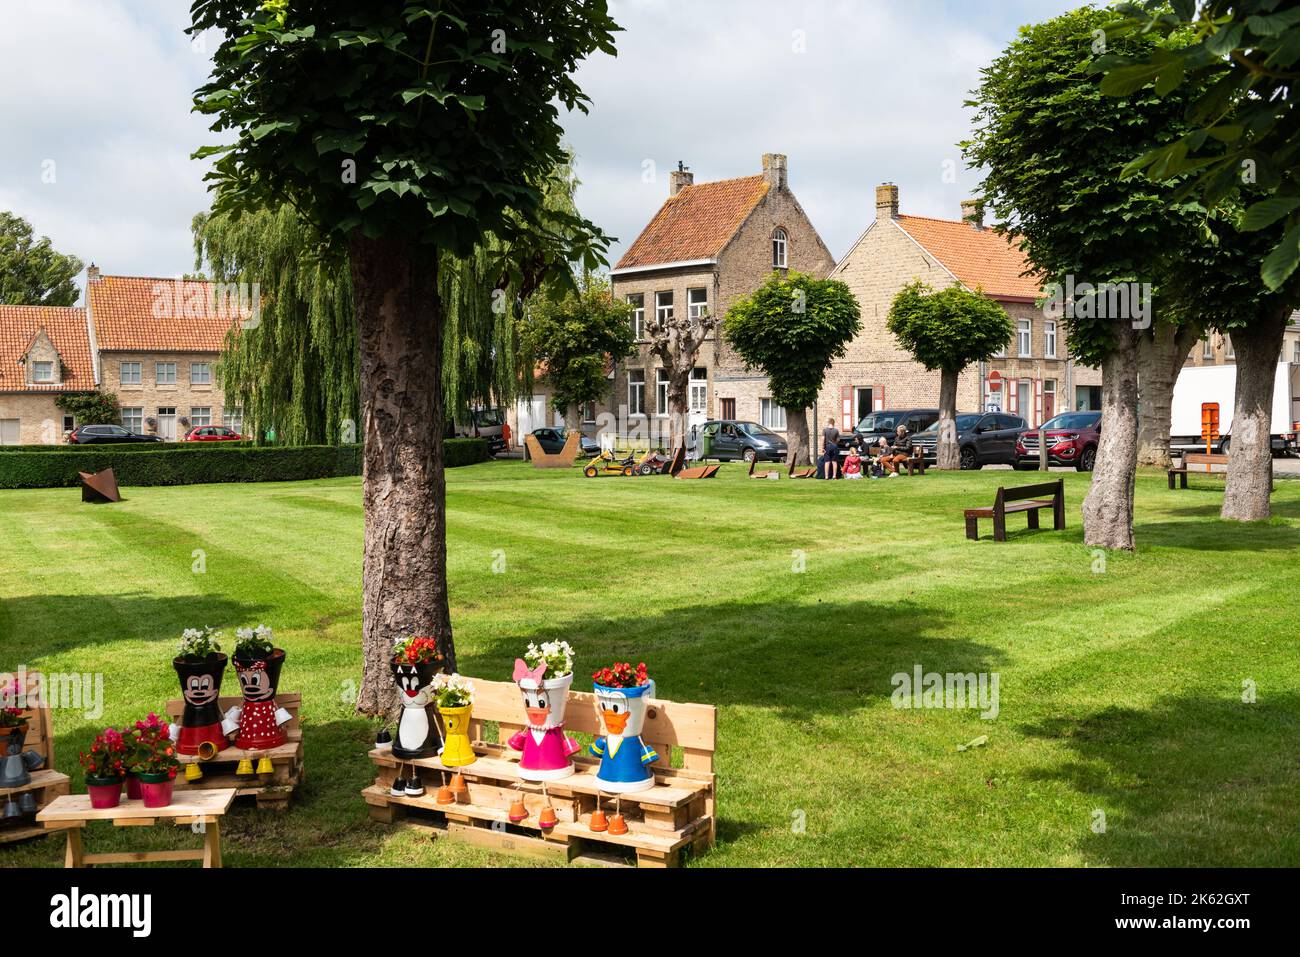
<point x="853" y="465"/>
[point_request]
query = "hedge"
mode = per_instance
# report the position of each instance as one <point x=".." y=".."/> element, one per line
<point x="125" y="446"/>
<point x="199" y="463"/>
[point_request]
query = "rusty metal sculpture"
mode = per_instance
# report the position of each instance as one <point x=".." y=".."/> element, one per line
<point x="99" y="487"/>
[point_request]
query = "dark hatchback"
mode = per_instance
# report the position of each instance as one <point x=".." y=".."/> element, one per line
<point x="1072" y="439"/>
<point x="886" y="422"/>
<point x="728" y="440"/>
<point x="552" y="442"/>
<point x="983" y="438"/>
<point x="107" y="434"/>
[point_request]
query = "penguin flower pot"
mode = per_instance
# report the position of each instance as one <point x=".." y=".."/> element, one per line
<point x="200" y="665"/>
<point x="547" y="752"/>
<point x="455" y="698"/>
<point x="259" y="719"/>
<point x="622" y="703"/>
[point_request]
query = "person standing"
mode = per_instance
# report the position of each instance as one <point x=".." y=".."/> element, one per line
<point x="830" y="450"/>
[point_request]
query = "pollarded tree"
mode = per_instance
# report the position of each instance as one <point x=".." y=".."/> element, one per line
<point x="576" y="338"/>
<point x="404" y="132"/>
<point x="32" y="271"/>
<point x="676" y="340"/>
<point x="946" y="331"/>
<point x="792" y="328"/>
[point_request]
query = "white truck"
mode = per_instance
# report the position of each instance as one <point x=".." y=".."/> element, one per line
<point x="1197" y="385"/>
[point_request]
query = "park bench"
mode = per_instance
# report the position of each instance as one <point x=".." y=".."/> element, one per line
<point x="1209" y="463"/>
<point x="1030" y="499"/>
<point x="675" y="815"/>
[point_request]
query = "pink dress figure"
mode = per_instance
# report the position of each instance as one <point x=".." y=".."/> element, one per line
<point x="547" y="750"/>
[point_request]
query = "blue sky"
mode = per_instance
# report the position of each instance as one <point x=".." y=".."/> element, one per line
<point x="96" y="128"/>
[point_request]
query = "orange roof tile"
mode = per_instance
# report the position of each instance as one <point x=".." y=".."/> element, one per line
<point x="696" y="223"/>
<point x="141" y="314"/>
<point x="977" y="257"/>
<point x="66" y="327"/>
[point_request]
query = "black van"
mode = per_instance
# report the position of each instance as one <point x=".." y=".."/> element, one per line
<point x="886" y="423"/>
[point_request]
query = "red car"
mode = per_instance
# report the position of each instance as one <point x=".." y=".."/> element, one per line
<point x="1071" y="440"/>
<point x="213" y="433"/>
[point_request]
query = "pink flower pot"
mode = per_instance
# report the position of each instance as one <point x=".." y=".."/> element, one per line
<point x="156" y="793"/>
<point x="132" y="788"/>
<point x="104" y="796"/>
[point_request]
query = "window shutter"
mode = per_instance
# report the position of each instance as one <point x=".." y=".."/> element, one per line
<point x="878" y="397"/>
<point x="846" y="408"/>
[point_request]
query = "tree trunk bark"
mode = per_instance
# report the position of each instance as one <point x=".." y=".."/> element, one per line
<point x="679" y="416"/>
<point x="1108" y="508"/>
<point x="404" y="576"/>
<point x="1161" y="357"/>
<point x="573" y="417"/>
<point x="796" y="437"/>
<point x="947" y="454"/>
<point x="1250" y="460"/>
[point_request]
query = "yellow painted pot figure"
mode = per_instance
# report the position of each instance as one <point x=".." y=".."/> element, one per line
<point x="457" y="752"/>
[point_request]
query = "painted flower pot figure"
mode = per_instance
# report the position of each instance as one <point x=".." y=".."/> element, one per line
<point x="415" y="666"/>
<point x="622" y="694"/>
<point x="200" y="665"/>
<point x="259" y="718"/>
<point x="544" y="676"/>
<point x="455" y="699"/>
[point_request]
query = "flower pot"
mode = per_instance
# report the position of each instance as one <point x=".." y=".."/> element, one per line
<point x="201" y="716"/>
<point x="13" y="738"/>
<point x="104" y="792"/>
<point x="456" y="750"/>
<point x="156" y="789"/>
<point x="133" y="787"/>
<point x="416" y="734"/>
<point x="624" y="758"/>
<point x="259" y="727"/>
<point x="547" y="750"/>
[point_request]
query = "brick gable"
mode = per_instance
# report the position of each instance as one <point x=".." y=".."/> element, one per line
<point x="21" y="328"/>
<point x="696" y="223"/>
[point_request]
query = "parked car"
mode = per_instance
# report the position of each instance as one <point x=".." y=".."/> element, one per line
<point x="213" y="433"/>
<point x="552" y="442"/>
<point x="1072" y="439"/>
<point x="107" y="434"/>
<point x="728" y="440"/>
<point x="886" y="423"/>
<point x="983" y="438"/>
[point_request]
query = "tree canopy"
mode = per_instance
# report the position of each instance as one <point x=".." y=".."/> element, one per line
<point x="32" y="271"/>
<point x="949" y="329"/>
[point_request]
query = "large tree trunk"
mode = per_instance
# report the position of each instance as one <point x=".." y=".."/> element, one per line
<point x="573" y="417"/>
<point x="1108" y="509"/>
<point x="404" y="577"/>
<point x="679" y="415"/>
<point x="1250" y="462"/>
<point x="796" y="437"/>
<point x="947" y="454"/>
<point x="1161" y="356"/>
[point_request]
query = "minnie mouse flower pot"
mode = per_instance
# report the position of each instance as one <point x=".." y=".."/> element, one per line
<point x="547" y="751"/>
<point x="259" y="718"/>
<point x="417" y="734"/>
<point x="200" y="725"/>
<point x="624" y="758"/>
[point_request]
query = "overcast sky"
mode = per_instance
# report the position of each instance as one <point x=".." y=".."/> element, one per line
<point x="96" y="129"/>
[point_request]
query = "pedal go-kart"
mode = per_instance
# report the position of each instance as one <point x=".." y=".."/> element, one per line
<point x="653" y="463"/>
<point x="606" y="464"/>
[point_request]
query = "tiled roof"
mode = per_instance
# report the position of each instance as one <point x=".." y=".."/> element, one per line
<point x="696" y="223"/>
<point x="139" y="314"/>
<point x="66" y="327"/>
<point x="977" y="257"/>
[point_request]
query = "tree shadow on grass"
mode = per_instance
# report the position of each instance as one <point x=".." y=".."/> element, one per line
<point x="1190" y="781"/>
<point x="1218" y="536"/>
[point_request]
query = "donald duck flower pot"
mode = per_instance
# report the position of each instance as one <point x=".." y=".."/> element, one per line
<point x="547" y="750"/>
<point x="624" y="758"/>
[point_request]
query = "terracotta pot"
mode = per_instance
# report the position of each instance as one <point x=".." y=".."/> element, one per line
<point x="104" y="792"/>
<point x="156" y="789"/>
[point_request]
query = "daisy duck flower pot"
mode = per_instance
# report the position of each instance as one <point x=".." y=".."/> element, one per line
<point x="547" y="752"/>
<point x="259" y="719"/>
<point x="622" y="696"/>
<point x="415" y="666"/>
<point x="455" y="697"/>
<point x="200" y="667"/>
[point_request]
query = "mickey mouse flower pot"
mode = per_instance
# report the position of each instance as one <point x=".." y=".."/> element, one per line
<point x="624" y="758"/>
<point x="547" y="751"/>
<point x="199" y="730"/>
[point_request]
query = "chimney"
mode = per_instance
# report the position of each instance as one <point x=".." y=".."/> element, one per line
<point x="972" y="211"/>
<point x="681" y="176"/>
<point x="774" y="170"/>
<point x="887" y="201"/>
<point x="92" y="273"/>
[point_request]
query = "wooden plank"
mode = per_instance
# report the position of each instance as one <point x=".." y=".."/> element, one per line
<point x="40" y="780"/>
<point x="509" y="843"/>
<point x="141" y="857"/>
<point x="76" y="807"/>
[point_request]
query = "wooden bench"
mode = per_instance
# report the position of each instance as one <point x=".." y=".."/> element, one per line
<point x="1030" y="499"/>
<point x="47" y="784"/>
<point x="563" y="459"/>
<point x="675" y="815"/>
<point x="1209" y="462"/>
<point x="271" y="791"/>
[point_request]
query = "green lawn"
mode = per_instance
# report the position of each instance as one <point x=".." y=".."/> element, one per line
<point x="1121" y="689"/>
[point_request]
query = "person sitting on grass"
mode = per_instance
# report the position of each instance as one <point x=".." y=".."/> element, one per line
<point x="900" y="450"/>
<point x="853" y="465"/>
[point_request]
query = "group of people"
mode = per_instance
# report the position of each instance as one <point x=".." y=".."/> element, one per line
<point x="863" y="459"/>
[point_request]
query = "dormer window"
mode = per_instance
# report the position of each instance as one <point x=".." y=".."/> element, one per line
<point x="779" y="244"/>
<point x="42" y="371"/>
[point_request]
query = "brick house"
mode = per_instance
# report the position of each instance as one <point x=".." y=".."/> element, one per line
<point x="44" y="353"/>
<point x="707" y="245"/>
<point x="1033" y="378"/>
<point x="1216" y="349"/>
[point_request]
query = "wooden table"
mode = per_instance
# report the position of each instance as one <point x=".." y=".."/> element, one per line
<point x="71" y="813"/>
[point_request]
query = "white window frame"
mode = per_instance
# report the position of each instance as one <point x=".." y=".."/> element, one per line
<point x="200" y="416"/>
<point x="636" y="392"/>
<point x="200" y="373"/>
<point x="132" y="418"/>
<point x="637" y="301"/>
<point x="771" y="415"/>
<point x="233" y="418"/>
<point x="1024" y="338"/>
<point x="663" y="311"/>
<point x="661" y="393"/>
<point x="697" y="309"/>
<point x="698" y="397"/>
<point x="1229" y="350"/>
<point x="159" y="367"/>
<point x="780" y="248"/>
<point x="1049" y="339"/>
<point x="130" y="373"/>
<point x="1207" y="351"/>
<point x="1295" y="350"/>
<point x="46" y="366"/>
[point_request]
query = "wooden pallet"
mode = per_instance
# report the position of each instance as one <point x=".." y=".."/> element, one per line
<point x="47" y="784"/>
<point x="271" y="791"/>
<point x="673" y="817"/>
